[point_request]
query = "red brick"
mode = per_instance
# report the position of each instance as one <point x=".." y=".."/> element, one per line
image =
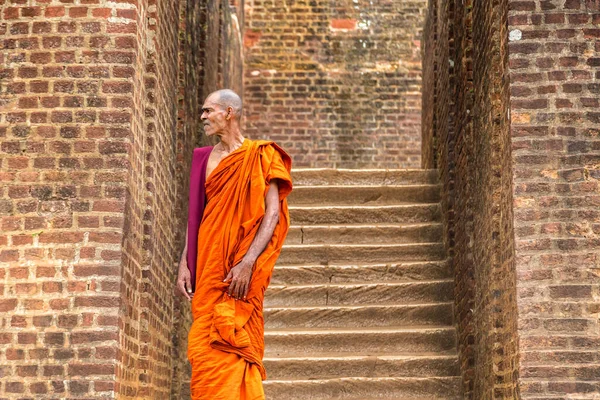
<point x="31" y="11"/>
<point x="59" y="304"/>
<point x="127" y="14"/>
<point x="343" y="23"/>
<point x="27" y="370"/>
<point x="15" y="354"/>
<point x="67" y="27"/>
<point x="97" y="301"/>
<point x="61" y="237"/>
<point x="8" y="305"/>
<point x="11" y="13"/>
<point x="101" y="12"/>
<point x="53" y="12"/>
<point x="78" y="12"/>
<point x="81" y="369"/>
<point x="121" y="28"/>
<point x="15" y="387"/>
<point x="522" y="5"/>
<point x="38" y="387"/>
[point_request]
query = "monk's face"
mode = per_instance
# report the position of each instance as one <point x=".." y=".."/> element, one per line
<point x="215" y="117"/>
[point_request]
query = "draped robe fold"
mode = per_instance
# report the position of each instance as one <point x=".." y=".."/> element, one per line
<point x="226" y="340"/>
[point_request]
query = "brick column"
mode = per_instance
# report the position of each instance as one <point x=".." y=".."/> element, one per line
<point x="65" y="123"/>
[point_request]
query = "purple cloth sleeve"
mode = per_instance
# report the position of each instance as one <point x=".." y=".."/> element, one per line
<point x="197" y="201"/>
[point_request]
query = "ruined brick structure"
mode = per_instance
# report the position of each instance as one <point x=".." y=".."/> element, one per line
<point x="99" y="109"/>
<point x="510" y="120"/>
<point x="336" y="83"/>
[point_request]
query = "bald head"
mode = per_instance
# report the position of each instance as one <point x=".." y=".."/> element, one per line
<point x="228" y="98"/>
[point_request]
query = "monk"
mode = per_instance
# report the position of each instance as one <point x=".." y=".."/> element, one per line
<point x="238" y="219"/>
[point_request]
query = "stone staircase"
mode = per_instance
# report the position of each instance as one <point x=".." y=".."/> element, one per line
<point x="360" y="304"/>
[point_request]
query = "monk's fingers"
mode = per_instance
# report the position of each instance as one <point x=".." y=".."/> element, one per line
<point x="229" y="276"/>
<point x="234" y="289"/>
<point x="239" y="289"/>
<point x="242" y="288"/>
<point x="187" y="284"/>
<point x="232" y="285"/>
<point x="246" y="290"/>
<point x="181" y="288"/>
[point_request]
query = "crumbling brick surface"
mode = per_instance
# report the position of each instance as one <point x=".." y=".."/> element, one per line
<point x="468" y="139"/>
<point x="338" y="85"/>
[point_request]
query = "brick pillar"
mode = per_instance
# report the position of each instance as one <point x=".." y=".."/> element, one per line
<point x="65" y="123"/>
<point x="554" y="74"/>
<point x="468" y="138"/>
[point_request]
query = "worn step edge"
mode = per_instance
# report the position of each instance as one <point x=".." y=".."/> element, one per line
<point x="358" y="195"/>
<point x="399" y="213"/>
<point x="320" y="176"/>
<point x="390" y="272"/>
<point x="363" y="284"/>
<point x="382" y="225"/>
<point x="343" y="253"/>
<point x="360" y="316"/>
<point x="335" y="331"/>
<point x="398" y="341"/>
<point x="372" y="366"/>
<point x="365" y="233"/>
<point x="359" y="293"/>
<point x="359" y="388"/>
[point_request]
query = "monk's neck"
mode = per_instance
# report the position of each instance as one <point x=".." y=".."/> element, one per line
<point x="231" y="143"/>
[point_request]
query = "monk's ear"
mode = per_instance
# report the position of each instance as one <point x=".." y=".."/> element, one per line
<point x="229" y="112"/>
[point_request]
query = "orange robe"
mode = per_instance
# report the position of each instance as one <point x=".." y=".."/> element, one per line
<point x="226" y="340"/>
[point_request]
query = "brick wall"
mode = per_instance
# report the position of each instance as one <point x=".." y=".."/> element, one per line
<point x="554" y="74"/>
<point x="545" y="168"/>
<point x="99" y="114"/>
<point x="466" y="135"/>
<point x="65" y="128"/>
<point x="337" y="84"/>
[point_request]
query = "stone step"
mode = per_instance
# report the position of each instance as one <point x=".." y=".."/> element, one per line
<point x="448" y="388"/>
<point x="347" y="253"/>
<point x="364" y="195"/>
<point x="363" y="294"/>
<point x="392" y="272"/>
<point x="327" y="367"/>
<point x="338" y="215"/>
<point x="326" y="176"/>
<point x="381" y="233"/>
<point x="383" y="340"/>
<point x="358" y="316"/>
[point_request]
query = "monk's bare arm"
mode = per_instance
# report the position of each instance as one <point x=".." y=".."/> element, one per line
<point x="240" y="274"/>
<point x="268" y="224"/>
<point x="184" y="252"/>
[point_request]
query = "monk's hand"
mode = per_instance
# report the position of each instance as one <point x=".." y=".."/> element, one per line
<point x="239" y="278"/>
<point x="184" y="280"/>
